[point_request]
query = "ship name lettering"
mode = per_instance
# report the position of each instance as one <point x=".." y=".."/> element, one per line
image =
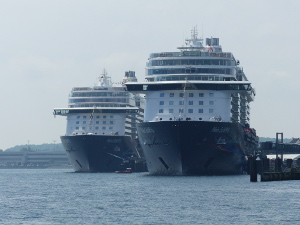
<point x="220" y="130"/>
<point x="114" y="140"/>
<point x="147" y="130"/>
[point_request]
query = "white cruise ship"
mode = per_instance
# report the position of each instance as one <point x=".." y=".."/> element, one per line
<point x="101" y="133"/>
<point x="197" y="111"/>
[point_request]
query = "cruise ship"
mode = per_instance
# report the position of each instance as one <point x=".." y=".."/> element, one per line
<point x="101" y="134"/>
<point x="197" y="111"/>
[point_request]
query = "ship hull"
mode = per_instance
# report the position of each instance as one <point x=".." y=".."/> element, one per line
<point x="99" y="153"/>
<point x="193" y="147"/>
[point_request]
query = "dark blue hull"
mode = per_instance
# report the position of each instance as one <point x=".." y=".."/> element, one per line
<point x="100" y="153"/>
<point x="195" y="147"/>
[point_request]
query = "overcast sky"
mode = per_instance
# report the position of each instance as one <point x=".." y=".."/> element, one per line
<point x="48" y="47"/>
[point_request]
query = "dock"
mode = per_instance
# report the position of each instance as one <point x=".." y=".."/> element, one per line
<point x="294" y="174"/>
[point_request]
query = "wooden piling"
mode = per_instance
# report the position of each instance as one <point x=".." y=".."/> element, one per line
<point x="253" y="169"/>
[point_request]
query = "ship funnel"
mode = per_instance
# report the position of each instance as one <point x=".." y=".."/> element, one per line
<point x="129" y="77"/>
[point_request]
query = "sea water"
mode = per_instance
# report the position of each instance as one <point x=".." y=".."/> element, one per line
<point x="60" y="196"/>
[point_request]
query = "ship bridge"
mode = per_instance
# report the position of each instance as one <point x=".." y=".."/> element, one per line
<point x="68" y="111"/>
<point x="243" y="87"/>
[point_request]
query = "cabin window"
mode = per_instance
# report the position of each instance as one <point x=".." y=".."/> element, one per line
<point x="78" y="117"/>
<point x="77" y="128"/>
<point x="162" y="95"/>
<point x="200" y="102"/>
<point x="211" y="94"/>
<point x="181" y="110"/>
<point x="103" y="128"/>
<point x="103" y="122"/>
<point x="97" y="128"/>
<point x="200" y="110"/>
<point x="111" y="122"/>
<point x="77" y="122"/>
<point x="161" y="102"/>
<point x="171" y="102"/>
<point x="97" y="122"/>
<point x="84" y="122"/>
<point x="190" y="110"/>
<point x="160" y="111"/>
<point x="171" y="110"/>
<point x="181" y="95"/>
<point x="211" y="102"/>
<point x="191" y="94"/>
<point x="83" y="128"/>
<point x="211" y="110"/>
<point x="191" y="102"/>
<point x="110" y="128"/>
<point x="171" y="94"/>
<point x="180" y="102"/>
<point x="84" y="117"/>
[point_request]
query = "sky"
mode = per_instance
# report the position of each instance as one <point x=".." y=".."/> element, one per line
<point x="48" y="47"/>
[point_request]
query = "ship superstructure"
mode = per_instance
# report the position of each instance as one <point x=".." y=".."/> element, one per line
<point x="197" y="111"/>
<point x="97" y="139"/>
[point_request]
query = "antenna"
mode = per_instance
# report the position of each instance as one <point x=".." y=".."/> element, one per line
<point x="104" y="80"/>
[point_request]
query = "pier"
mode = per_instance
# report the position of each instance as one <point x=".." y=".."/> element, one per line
<point x="294" y="174"/>
<point x="277" y="169"/>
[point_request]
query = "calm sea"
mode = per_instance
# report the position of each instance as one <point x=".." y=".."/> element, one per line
<point x="60" y="196"/>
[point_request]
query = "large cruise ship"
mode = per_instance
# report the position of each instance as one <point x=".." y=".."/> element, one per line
<point x="101" y="133"/>
<point x="197" y="112"/>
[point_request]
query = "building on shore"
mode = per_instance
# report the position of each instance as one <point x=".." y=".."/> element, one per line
<point x="26" y="159"/>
